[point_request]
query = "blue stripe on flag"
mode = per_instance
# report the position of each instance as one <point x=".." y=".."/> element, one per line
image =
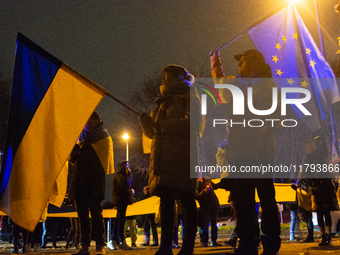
<point x="34" y="71"/>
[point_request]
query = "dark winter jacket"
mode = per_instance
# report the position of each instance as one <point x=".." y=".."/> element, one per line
<point x="170" y="148"/>
<point x="89" y="176"/>
<point x="121" y="188"/>
<point x="321" y="181"/>
<point x="325" y="195"/>
<point x="207" y="199"/>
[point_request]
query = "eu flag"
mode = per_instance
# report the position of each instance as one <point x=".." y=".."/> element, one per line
<point x="296" y="61"/>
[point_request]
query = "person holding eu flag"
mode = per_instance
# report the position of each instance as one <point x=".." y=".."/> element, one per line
<point x="251" y="146"/>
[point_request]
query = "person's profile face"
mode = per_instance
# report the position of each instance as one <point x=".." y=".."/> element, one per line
<point x="91" y="124"/>
<point x="168" y="78"/>
<point x="146" y="191"/>
<point x="245" y="67"/>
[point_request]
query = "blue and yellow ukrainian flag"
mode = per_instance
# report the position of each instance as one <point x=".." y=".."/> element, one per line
<point x="102" y="144"/>
<point x="50" y="105"/>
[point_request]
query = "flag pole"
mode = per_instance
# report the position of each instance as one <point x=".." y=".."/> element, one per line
<point x="253" y="25"/>
<point x="138" y="113"/>
<point x="319" y="28"/>
<point x="225" y="45"/>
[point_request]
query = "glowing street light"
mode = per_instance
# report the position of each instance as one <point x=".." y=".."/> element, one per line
<point x="126" y="137"/>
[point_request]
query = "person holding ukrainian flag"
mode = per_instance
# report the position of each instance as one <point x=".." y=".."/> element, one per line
<point x="93" y="158"/>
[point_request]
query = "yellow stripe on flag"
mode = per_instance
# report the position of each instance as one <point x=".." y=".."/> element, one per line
<point x="146" y="144"/>
<point x="104" y="150"/>
<point x="57" y="195"/>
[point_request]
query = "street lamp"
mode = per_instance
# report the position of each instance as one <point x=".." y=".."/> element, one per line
<point x="126" y="137"/>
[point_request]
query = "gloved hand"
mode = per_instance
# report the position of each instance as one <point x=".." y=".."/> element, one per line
<point x="215" y="64"/>
<point x="146" y="120"/>
<point x="294" y="187"/>
<point x="214" y="52"/>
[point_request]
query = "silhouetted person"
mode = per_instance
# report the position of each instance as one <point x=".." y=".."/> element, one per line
<point x="210" y="206"/>
<point x="169" y="127"/>
<point x="324" y="189"/>
<point x="122" y="196"/>
<point x="93" y="158"/>
<point x="252" y="146"/>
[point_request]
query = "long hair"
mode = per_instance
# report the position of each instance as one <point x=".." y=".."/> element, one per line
<point x="121" y="165"/>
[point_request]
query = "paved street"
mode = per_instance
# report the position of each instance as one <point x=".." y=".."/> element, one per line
<point x="287" y="248"/>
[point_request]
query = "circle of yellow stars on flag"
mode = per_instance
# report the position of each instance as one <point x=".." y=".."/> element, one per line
<point x="275" y="59"/>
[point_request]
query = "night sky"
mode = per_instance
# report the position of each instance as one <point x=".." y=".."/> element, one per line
<point x="117" y="44"/>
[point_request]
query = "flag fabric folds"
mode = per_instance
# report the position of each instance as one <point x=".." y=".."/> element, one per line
<point x="146" y="144"/>
<point x="50" y="105"/>
<point x="101" y="142"/>
<point x="296" y="61"/>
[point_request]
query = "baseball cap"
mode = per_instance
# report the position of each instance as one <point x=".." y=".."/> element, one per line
<point x="252" y="55"/>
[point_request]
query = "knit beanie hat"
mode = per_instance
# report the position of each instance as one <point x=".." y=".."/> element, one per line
<point x="179" y="72"/>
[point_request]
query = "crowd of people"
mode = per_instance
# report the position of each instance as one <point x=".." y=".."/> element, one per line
<point x="174" y="127"/>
